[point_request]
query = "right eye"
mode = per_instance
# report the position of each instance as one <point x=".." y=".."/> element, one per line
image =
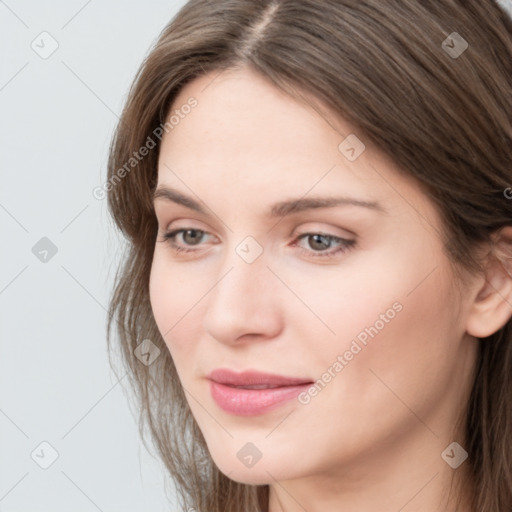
<point x="189" y="236"/>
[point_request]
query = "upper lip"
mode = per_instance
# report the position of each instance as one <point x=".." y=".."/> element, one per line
<point x="253" y="378"/>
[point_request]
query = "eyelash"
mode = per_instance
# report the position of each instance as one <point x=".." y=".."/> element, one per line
<point x="345" y="244"/>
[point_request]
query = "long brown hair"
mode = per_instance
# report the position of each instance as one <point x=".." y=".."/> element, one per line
<point x="390" y="69"/>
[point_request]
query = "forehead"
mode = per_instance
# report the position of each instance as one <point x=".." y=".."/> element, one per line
<point x="258" y="142"/>
<point x="245" y="113"/>
<point x="242" y="124"/>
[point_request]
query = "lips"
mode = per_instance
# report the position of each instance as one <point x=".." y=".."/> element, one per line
<point x="258" y="386"/>
<point x="254" y="380"/>
<point x="253" y="393"/>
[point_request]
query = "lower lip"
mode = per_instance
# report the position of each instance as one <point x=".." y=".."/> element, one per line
<point x="251" y="402"/>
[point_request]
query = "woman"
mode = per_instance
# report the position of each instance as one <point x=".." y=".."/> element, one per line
<point x="315" y="306"/>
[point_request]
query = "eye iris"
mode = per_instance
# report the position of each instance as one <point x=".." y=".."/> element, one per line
<point x="192" y="236"/>
<point x="319" y="242"/>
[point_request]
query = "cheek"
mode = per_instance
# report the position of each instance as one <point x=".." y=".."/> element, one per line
<point x="176" y="294"/>
<point x="340" y="302"/>
<point x="399" y="337"/>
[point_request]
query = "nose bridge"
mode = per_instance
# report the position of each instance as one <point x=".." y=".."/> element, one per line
<point x="243" y="286"/>
<point x="243" y="300"/>
<point x="245" y="265"/>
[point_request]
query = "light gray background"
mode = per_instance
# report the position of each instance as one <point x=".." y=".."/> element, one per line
<point x="57" y="116"/>
<point x="56" y="119"/>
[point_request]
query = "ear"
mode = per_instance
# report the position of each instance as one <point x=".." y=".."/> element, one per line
<point x="492" y="306"/>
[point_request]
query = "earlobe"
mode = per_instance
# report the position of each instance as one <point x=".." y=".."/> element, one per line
<point x="492" y="305"/>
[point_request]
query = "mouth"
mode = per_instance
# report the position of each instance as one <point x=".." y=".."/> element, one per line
<point x="253" y="393"/>
<point x="259" y="386"/>
<point x="251" y="379"/>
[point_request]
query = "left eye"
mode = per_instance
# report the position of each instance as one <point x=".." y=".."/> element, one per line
<point x="318" y="242"/>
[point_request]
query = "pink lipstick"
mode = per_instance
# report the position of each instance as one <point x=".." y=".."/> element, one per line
<point x="251" y="393"/>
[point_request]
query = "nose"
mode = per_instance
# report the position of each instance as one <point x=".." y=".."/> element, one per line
<point x="244" y="304"/>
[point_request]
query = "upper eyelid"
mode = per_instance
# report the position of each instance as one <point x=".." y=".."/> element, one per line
<point x="325" y="231"/>
<point x="180" y="231"/>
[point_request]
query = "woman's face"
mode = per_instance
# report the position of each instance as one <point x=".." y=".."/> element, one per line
<point x="354" y="296"/>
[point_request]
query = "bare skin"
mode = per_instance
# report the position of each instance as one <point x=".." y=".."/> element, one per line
<point x="373" y="436"/>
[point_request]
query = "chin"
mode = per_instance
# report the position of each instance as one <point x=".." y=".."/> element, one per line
<point x="249" y="476"/>
<point x="262" y="472"/>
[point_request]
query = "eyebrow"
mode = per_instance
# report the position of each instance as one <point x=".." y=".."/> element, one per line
<point x="278" y="209"/>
